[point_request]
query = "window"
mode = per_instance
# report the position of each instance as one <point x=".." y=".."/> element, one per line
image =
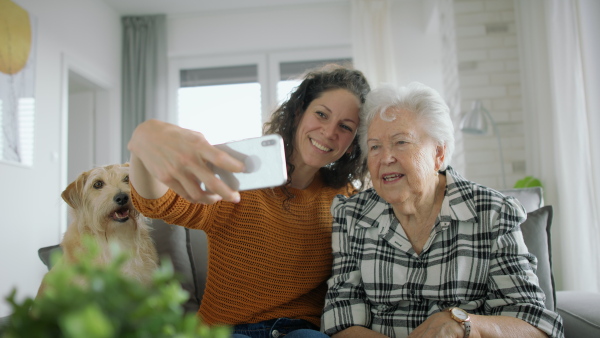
<point x="16" y="144"/>
<point x="232" y="102"/>
<point x="222" y="103"/>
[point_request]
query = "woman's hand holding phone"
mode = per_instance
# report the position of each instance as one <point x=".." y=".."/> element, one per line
<point x="164" y="156"/>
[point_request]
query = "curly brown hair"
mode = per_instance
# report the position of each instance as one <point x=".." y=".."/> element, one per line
<point x="285" y="119"/>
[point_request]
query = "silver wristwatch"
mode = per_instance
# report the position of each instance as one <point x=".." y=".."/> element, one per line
<point x="462" y="317"/>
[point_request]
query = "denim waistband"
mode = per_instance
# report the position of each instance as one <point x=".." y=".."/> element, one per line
<point x="273" y="328"/>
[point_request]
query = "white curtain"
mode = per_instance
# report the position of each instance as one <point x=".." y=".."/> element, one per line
<point x="372" y="48"/>
<point x="562" y="107"/>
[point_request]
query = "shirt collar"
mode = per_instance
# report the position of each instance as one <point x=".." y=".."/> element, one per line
<point x="458" y="204"/>
<point x="376" y="212"/>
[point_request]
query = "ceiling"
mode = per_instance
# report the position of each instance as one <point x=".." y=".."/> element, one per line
<point x="171" y="7"/>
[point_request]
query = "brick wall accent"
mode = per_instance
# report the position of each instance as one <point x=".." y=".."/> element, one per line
<point x="488" y="70"/>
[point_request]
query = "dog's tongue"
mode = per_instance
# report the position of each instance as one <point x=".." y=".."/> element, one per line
<point x="120" y="214"/>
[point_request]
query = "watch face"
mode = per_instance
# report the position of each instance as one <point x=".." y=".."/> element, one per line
<point x="460" y="314"/>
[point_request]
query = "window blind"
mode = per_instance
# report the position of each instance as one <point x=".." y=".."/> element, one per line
<point x="218" y="76"/>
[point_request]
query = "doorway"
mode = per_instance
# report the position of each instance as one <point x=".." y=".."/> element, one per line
<point x="86" y="107"/>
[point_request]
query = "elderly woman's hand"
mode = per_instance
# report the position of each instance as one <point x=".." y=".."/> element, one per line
<point x="165" y="155"/>
<point x="439" y="325"/>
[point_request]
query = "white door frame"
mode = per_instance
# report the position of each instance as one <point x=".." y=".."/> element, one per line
<point x="100" y="88"/>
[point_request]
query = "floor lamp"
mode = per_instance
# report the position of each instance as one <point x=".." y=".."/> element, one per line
<point x="475" y="122"/>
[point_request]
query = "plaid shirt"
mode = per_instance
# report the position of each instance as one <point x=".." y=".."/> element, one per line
<point x="475" y="258"/>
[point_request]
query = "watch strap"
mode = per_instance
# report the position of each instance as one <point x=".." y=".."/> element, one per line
<point x="467" y="326"/>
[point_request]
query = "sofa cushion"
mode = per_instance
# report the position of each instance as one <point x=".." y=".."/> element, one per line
<point x="536" y="233"/>
<point x="531" y="198"/>
<point x="173" y="242"/>
<point x="199" y="259"/>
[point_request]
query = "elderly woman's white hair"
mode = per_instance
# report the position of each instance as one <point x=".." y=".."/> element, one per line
<point x="432" y="111"/>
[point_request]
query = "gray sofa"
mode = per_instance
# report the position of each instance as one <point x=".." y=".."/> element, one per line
<point x="580" y="310"/>
<point x="187" y="249"/>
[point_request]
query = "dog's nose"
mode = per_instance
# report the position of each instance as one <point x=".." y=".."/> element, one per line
<point x="121" y="199"/>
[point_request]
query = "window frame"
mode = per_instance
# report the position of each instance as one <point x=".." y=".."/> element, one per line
<point x="177" y="64"/>
<point x="267" y="63"/>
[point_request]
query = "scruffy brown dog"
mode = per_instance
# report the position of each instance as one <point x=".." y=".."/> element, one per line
<point x="101" y="207"/>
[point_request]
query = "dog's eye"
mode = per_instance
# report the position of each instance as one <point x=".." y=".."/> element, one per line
<point x="126" y="179"/>
<point x="98" y="185"/>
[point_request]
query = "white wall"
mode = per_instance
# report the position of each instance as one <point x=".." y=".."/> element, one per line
<point x="85" y="35"/>
<point x="303" y="28"/>
<point x="488" y="56"/>
<point x="259" y="30"/>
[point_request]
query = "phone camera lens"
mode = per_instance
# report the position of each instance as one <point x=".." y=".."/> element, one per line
<point x="267" y="143"/>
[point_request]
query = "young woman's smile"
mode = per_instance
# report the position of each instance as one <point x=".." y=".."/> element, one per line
<point x="327" y="129"/>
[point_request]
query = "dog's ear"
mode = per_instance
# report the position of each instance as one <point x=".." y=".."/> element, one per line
<point x="74" y="191"/>
<point x="126" y="164"/>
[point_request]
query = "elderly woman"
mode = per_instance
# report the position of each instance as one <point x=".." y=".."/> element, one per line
<point x="427" y="253"/>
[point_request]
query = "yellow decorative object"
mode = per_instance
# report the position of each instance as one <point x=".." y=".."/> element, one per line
<point x="15" y="37"/>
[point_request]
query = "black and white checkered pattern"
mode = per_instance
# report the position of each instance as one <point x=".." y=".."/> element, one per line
<point x="475" y="258"/>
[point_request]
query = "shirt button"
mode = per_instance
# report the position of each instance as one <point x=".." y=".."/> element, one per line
<point x="275" y="333"/>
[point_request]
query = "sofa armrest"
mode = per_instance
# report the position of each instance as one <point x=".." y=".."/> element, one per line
<point x="580" y="313"/>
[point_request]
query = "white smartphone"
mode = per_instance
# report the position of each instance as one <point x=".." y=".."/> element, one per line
<point x="264" y="158"/>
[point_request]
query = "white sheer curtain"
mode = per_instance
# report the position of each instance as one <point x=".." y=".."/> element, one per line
<point x="372" y="48"/>
<point x="560" y="84"/>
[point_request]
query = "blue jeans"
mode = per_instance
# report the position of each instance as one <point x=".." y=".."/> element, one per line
<point x="275" y="328"/>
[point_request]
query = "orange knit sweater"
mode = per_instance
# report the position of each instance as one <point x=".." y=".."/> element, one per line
<point x="265" y="261"/>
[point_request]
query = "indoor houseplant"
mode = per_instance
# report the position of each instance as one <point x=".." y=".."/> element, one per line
<point x="89" y="300"/>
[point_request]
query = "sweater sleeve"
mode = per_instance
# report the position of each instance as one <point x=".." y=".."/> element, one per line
<point x="171" y="208"/>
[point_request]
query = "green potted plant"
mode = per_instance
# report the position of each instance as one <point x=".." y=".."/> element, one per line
<point x="528" y="181"/>
<point x="93" y="301"/>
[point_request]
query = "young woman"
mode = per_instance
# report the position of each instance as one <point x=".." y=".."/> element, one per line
<point x="269" y="249"/>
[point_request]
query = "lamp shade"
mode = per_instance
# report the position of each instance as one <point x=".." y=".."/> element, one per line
<point x="475" y="120"/>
